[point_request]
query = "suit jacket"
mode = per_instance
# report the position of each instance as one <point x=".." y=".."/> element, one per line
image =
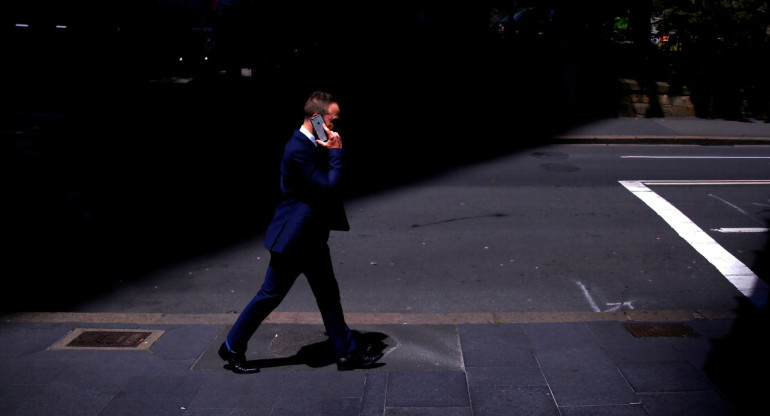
<point x="311" y="204"/>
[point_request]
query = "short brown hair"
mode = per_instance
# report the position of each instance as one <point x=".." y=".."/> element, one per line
<point x="318" y="103"/>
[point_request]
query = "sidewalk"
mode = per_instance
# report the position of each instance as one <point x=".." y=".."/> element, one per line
<point x="599" y="364"/>
<point x="673" y="130"/>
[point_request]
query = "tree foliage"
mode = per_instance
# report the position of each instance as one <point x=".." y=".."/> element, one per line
<point x="719" y="49"/>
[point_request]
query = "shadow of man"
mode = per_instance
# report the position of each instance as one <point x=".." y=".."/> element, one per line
<point x="321" y="354"/>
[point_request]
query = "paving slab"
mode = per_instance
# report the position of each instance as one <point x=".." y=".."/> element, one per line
<point x="592" y="367"/>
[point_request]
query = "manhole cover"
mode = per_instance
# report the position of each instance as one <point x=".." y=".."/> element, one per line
<point x="550" y="155"/>
<point x="112" y="339"/>
<point x="95" y="339"/>
<point x="661" y="330"/>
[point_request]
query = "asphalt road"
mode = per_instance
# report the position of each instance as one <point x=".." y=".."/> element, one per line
<point x="543" y="229"/>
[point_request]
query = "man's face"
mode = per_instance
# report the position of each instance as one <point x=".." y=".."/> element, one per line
<point x="332" y="115"/>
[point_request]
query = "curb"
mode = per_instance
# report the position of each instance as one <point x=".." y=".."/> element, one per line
<point x="374" y="318"/>
<point x="653" y="139"/>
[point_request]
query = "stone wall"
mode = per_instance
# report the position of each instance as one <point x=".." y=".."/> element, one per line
<point x="635" y="100"/>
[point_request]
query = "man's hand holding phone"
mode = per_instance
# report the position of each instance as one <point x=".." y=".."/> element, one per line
<point x="334" y="141"/>
<point x="324" y="136"/>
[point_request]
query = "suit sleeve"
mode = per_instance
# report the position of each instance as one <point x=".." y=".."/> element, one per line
<point x="318" y="176"/>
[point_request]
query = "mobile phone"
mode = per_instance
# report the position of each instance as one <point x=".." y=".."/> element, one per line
<point x="318" y="126"/>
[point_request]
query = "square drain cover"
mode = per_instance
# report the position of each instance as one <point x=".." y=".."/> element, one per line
<point x="108" y="339"/>
<point x="661" y="330"/>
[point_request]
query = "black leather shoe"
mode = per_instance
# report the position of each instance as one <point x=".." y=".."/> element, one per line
<point x="237" y="361"/>
<point x="357" y="360"/>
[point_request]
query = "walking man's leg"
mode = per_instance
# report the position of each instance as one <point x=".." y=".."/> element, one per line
<point x="320" y="276"/>
<point x="280" y="277"/>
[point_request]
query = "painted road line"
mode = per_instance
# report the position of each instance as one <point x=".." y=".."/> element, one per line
<point x="741" y="230"/>
<point x="589" y="298"/>
<point x="694" y="157"/>
<point x="690" y="182"/>
<point x="737" y="208"/>
<point x="745" y="280"/>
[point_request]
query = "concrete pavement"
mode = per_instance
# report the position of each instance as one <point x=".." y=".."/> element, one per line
<point x="587" y="367"/>
<point x="592" y="363"/>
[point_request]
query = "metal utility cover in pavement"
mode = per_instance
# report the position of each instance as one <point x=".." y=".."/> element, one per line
<point x="108" y="339"/>
<point x="661" y="330"/>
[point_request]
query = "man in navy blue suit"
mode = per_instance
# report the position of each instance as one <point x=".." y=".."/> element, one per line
<point x="297" y="238"/>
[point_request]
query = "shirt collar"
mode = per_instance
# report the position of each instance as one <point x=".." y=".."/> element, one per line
<point x="308" y="134"/>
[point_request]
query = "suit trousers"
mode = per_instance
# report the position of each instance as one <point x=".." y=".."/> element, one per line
<point x="284" y="268"/>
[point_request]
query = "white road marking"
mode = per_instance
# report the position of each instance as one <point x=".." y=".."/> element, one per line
<point x="737" y="208"/>
<point x="612" y="306"/>
<point x="618" y="306"/>
<point x="706" y="182"/>
<point x="694" y="157"/>
<point x="741" y="230"/>
<point x="745" y="280"/>
<point x="594" y="306"/>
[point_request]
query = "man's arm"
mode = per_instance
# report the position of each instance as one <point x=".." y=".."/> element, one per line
<point x="314" y="175"/>
<point x="325" y="178"/>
